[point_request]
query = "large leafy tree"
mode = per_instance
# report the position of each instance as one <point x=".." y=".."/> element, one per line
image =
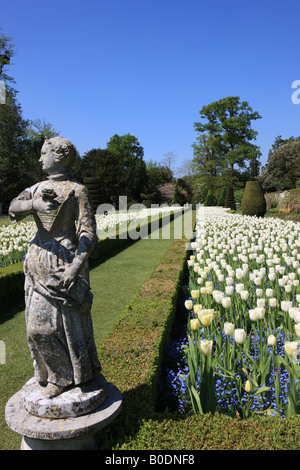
<point x="107" y="168"/>
<point x="282" y="170"/>
<point x="225" y="137"/>
<point x="13" y="165"/>
<point x="131" y="153"/>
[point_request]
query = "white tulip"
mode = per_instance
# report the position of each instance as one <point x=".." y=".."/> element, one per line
<point x="226" y="302"/>
<point x="229" y="290"/>
<point x="273" y="302"/>
<point x="269" y="292"/>
<point x="240" y="335"/>
<point x="261" y="302"/>
<point x="228" y="328"/>
<point x="205" y="346"/>
<point x="244" y="295"/>
<point x="272" y="340"/>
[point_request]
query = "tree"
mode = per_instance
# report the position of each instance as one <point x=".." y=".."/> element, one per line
<point x="131" y="153"/>
<point x="127" y="146"/>
<point x="13" y="163"/>
<point x="6" y="53"/>
<point x="226" y="137"/>
<point x="282" y="170"/>
<point x="36" y="133"/>
<point x="107" y="167"/>
<point x="169" y="160"/>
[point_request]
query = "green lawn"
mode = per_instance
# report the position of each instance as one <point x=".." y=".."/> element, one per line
<point x="114" y="282"/>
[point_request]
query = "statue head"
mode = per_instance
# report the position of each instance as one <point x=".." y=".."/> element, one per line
<point x="57" y="155"/>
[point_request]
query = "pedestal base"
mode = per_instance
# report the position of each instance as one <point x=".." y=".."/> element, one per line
<point x="61" y="434"/>
<point x="77" y="401"/>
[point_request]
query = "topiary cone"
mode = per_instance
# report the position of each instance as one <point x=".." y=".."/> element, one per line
<point x="253" y="202"/>
<point x="230" y="201"/>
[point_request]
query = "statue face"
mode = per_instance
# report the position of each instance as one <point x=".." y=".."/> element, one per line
<point x="48" y="159"/>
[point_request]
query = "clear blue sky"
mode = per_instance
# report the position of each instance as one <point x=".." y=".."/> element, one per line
<point x="94" y="68"/>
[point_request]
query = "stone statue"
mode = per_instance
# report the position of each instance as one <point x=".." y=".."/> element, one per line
<point x="57" y="290"/>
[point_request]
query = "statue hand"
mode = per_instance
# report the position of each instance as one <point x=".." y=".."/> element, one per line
<point x="69" y="273"/>
<point x="44" y="205"/>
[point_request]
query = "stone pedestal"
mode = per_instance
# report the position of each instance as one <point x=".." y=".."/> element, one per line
<point x="72" y="433"/>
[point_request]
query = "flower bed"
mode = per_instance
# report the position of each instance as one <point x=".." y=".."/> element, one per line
<point x="244" y="317"/>
<point x="14" y="239"/>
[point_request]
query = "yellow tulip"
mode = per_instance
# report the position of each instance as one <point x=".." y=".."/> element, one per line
<point x="206" y="316"/>
<point x="291" y="348"/>
<point x="195" y="324"/>
<point x="248" y="386"/>
<point x="197" y="308"/>
<point x="195" y="294"/>
<point x="297" y="329"/>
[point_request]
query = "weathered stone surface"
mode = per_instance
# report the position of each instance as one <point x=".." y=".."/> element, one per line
<point x="46" y="429"/>
<point x="77" y="401"/>
<point x="57" y="289"/>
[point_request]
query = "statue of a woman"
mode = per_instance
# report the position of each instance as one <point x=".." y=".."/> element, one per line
<point x="57" y="291"/>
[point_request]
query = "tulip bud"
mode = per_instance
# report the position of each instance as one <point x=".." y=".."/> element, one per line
<point x="229" y="290"/>
<point x="248" y="386"/>
<point x="252" y="314"/>
<point x="296" y="316"/>
<point x="188" y="304"/>
<point x="272" y="340"/>
<point x="261" y="302"/>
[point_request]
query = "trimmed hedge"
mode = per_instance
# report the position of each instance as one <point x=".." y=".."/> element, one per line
<point x="253" y="202"/>
<point x="11" y="286"/>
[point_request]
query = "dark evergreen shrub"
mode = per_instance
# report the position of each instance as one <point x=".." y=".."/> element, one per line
<point x="222" y="197"/>
<point x="230" y="201"/>
<point x="210" y="199"/>
<point x="253" y="202"/>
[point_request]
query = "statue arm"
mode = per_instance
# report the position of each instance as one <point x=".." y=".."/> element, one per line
<point x="21" y="206"/>
<point x="86" y="234"/>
